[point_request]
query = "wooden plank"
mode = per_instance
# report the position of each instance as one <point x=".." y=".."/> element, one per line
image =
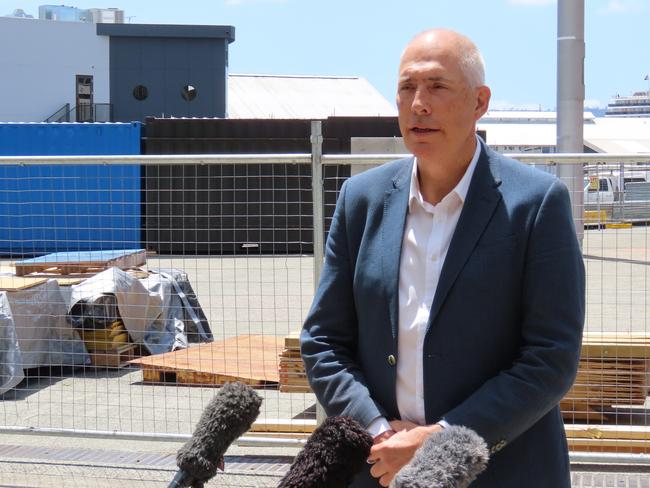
<point x="609" y="445"/>
<point x="586" y="431"/>
<point x="117" y="358"/>
<point x="294" y="389"/>
<point x="252" y="359"/>
<point x="15" y="283"/>
<point x="284" y="425"/>
<point x="292" y="341"/>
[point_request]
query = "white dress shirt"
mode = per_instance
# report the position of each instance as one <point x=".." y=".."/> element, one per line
<point x="427" y="234"/>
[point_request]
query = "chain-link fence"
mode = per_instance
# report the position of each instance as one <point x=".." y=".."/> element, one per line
<point x="126" y="334"/>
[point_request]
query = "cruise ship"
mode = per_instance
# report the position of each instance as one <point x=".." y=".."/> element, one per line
<point x="636" y="105"/>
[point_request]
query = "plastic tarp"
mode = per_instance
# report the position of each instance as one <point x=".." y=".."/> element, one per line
<point x="35" y="333"/>
<point x="11" y="372"/>
<point x="159" y="311"/>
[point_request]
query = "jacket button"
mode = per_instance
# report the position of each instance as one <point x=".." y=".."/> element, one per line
<point x="391" y="360"/>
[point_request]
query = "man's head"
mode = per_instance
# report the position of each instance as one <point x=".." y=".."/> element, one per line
<point x="440" y="96"/>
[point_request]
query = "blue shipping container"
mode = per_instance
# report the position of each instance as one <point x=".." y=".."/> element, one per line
<point x="52" y="208"/>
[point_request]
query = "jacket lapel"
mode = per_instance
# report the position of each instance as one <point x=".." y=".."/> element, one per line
<point x="481" y="201"/>
<point x="395" y="206"/>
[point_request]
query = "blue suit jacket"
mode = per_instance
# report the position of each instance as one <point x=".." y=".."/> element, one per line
<point x="504" y="332"/>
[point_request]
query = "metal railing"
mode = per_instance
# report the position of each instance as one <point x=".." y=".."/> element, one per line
<point x="93" y="112"/>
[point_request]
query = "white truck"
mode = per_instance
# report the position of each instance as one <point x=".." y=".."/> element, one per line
<point x="624" y="196"/>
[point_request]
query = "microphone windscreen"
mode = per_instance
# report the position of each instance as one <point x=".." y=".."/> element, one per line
<point x="335" y="452"/>
<point x="450" y="458"/>
<point x="227" y="416"/>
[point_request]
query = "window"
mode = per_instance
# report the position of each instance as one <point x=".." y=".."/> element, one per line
<point x="140" y="92"/>
<point x="188" y="92"/>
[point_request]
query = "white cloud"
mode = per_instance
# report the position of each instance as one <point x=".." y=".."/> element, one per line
<point x="593" y="103"/>
<point x="622" y="6"/>
<point x="506" y="105"/>
<point x="532" y="2"/>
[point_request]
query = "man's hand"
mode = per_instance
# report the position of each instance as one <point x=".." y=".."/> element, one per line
<point x="389" y="456"/>
<point x="382" y="437"/>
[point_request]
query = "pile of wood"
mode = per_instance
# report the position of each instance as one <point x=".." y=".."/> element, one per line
<point x="110" y="347"/>
<point x="614" y="370"/>
<point x="292" y="370"/>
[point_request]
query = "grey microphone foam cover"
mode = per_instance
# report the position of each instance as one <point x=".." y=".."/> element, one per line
<point x="451" y="458"/>
<point x="227" y="416"/>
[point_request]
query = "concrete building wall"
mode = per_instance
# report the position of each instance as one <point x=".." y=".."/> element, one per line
<point x="40" y="59"/>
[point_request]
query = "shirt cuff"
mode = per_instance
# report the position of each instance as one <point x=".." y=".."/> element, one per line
<point x="378" y="426"/>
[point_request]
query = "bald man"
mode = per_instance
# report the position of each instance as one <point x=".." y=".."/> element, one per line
<point x="452" y="291"/>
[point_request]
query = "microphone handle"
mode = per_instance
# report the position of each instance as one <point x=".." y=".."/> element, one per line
<point x="183" y="479"/>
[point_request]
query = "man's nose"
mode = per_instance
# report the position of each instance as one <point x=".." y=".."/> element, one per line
<point x="421" y="104"/>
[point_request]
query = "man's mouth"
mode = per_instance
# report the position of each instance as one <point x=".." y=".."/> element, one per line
<point x="422" y="130"/>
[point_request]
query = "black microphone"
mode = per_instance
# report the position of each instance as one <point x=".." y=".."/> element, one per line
<point x="227" y="416"/>
<point x="335" y="452"/>
<point x="450" y="458"/>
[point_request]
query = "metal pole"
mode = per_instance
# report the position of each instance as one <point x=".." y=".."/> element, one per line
<point x="317" y="196"/>
<point x="318" y="216"/>
<point x="570" y="99"/>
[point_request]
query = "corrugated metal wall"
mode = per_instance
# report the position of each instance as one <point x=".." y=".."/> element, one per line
<point x="67" y="208"/>
<point x="245" y="209"/>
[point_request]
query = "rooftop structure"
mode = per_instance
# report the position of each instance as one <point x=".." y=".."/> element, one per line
<point x="74" y="14"/>
<point x="304" y="97"/>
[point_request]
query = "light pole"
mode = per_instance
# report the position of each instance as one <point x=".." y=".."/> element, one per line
<point x="571" y="99"/>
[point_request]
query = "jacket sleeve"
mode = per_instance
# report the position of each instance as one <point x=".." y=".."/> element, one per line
<point x="553" y="309"/>
<point x="329" y="335"/>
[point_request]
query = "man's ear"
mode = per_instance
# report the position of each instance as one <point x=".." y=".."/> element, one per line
<point x="483" y="95"/>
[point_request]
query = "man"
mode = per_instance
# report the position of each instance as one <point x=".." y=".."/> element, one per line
<point x="452" y="291"/>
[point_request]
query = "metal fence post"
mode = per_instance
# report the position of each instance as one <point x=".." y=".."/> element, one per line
<point x="318" y="215"/>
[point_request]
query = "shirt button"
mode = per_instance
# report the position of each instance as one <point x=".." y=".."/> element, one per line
<point x="391" y="360"/>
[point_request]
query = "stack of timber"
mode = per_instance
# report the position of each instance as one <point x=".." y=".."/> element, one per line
<point x="252" y="359"/>
<point x="292" y="370"/>
<point x="80" y="263"/>
<point x="110" y="347"/>
<point x="614" y="370"/>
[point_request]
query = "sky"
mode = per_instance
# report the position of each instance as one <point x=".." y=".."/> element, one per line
<point x="518" y="39"/>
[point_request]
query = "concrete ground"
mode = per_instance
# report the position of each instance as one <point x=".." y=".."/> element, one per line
<point x="249" y="295"/>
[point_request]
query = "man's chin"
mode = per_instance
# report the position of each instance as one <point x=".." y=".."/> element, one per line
<point x="423" y="150"/>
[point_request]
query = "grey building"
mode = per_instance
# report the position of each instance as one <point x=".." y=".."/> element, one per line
<point x="167" y="70"/>
<point x="85" y="72"/>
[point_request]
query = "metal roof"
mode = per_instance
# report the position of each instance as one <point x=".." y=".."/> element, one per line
<point x="601" y="134"/>
<point x="303" y="97"/>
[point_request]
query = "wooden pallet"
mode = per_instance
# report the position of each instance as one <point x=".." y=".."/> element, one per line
<point x="252" y="359"/>
<point x="81" y="262"/>
<point x="116" y="358"/>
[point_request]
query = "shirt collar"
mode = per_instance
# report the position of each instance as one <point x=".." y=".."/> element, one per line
<point x="461" y="189"/>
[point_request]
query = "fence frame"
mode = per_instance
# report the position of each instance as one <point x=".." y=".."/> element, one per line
<point x="317" y="160"/>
